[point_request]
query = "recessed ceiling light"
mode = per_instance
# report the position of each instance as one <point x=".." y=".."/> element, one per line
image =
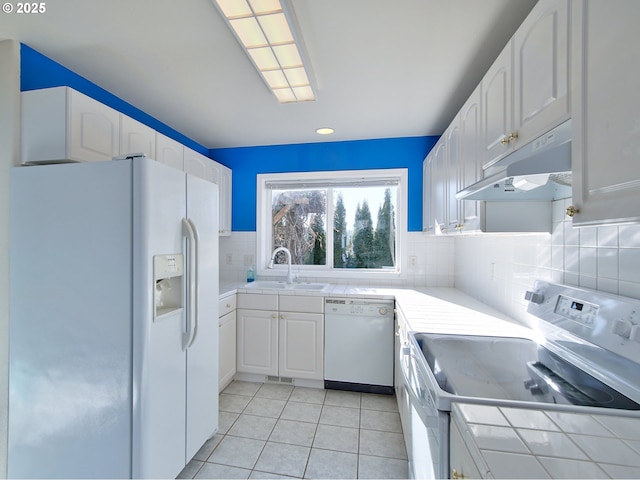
<point x="325" y="131"/>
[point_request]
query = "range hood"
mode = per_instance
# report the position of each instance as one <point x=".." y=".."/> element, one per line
<point x="540" y="170"/>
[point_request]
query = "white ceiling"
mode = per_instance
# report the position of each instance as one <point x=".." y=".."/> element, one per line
<point x="383" y="68"/>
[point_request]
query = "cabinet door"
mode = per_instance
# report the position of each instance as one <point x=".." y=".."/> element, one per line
<point x="94" y="129"/>
<point x="453" y="176"/>
<point x="470" y="156"/>
<point x="136" y="137"/>
<point x="606" y="137"/>
<point x="541" y="70"/>
<point x="461" y="461"/>
<point x="169" y="151"/>
<point x="197" y="164"/>
<point x="496" y="112"/>
<point x="427" y="201"/>
<point x="257" y="341"/>
<point x="439" y="185"/>
<point x="301" y="345"/>
<point x="224" y="184"/>
<point x="402" y="396"/>
<point x="227" y="349"/>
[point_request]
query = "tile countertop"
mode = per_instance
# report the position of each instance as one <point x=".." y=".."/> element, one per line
<point x="429" y="309"/>
<point x="506" y="442"/>
<point x="518" y="443"/>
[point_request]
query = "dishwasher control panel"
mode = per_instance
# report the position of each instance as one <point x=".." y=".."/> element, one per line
<point x="360" y="307"/>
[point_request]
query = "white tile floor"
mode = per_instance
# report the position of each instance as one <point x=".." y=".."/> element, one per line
<point x="278" y="431"/>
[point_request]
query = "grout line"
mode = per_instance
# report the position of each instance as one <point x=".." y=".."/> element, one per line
<point x="317" y="424"/>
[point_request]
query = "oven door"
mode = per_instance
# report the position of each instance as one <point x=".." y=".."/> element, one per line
<point x="428" y="436"/>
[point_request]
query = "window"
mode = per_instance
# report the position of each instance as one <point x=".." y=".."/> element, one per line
<point x="346" y="223"/>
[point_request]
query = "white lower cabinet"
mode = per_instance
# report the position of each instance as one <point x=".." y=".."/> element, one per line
<point x="257" y="341"/>
<point x="460" y="459"/>
<point x="280" y="336"/>
<point x="402" y="396"/>
<point x="227" y="341"/>
<point x="301" y="338"/>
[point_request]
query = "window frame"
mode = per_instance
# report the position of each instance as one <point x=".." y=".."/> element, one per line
<point x="264" y="230"/>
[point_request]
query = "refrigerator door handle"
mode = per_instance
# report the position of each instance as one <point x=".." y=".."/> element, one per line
<point x="189" y="234"/>
<point x="196" y="282"/>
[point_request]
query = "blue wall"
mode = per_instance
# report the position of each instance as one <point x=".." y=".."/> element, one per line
<point x="39" y="71"/>
<point x="247" y="162"/>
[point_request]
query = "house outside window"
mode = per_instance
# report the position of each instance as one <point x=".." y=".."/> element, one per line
<point x="343" y="224"/>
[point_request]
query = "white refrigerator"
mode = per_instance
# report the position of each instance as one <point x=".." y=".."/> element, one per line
<point x="113" y="320"/>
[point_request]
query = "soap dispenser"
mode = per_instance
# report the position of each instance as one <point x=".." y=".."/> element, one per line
<point x="250" y="275"/>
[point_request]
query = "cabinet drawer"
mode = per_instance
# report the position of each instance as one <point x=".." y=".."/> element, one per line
<point x="226" y="305"/>
<point x="257" y="301"/>
<point x="301" y="303"/>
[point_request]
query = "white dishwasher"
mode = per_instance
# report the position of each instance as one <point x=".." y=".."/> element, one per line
<point x="358" y="344"/>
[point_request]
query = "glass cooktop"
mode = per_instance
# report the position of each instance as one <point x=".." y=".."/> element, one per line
<point x="512" y="369"/>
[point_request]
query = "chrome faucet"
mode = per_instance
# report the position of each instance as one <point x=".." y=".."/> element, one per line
<point x="273" y="256"/>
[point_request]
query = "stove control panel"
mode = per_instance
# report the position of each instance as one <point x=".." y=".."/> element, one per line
<point x="609" y="321"/>
<point x="576" y="310"/>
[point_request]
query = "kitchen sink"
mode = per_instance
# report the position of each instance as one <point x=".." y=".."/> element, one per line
<point x="274" y="285"/>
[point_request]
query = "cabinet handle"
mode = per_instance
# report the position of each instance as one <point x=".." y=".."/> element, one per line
<point x="455" y="474"/>
<point x="273" y="315"/>
<point x="571" y="210"/>
<point x="228" y="305"/>
<point x="512" y="136"/>
<point x="281" y="317"/>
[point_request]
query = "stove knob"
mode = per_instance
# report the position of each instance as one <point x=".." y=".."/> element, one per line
<point x="534" y="297"/>
<point x="634" y="335"/>
<point x="622" y="328"/>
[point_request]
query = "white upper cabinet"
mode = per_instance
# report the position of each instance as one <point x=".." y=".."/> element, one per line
<point x="541" y="70"/>
<point x="497" y="112"/>
<point x="427" y="207"/>
<point x="525" y="92"/>
<point x="60" y="125"/>
<point x="439" y="182"/>
<point x="606" y="112"/>
<point x="470" y="152"/>
<point x="169" y="151"/>
<point x="453" y="176"/>
<point x="136" y="137"/>
<point x="198" y="165"/>
<point x="224" y="184"/>
<point x="210" y="170"/>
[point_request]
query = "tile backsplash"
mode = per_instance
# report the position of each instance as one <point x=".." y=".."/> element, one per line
<point x="498" y="269"/>
<point x="431" y="261"/>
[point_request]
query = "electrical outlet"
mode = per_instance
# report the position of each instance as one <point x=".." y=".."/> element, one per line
<point x="413" y="261"/>
<point x="248" y="260"/>
<point x="229" y="259"/>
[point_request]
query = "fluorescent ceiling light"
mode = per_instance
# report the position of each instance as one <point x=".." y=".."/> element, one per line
<point x="268" y="34"/>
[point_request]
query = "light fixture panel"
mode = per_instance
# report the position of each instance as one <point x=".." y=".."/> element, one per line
<point x="234" y="8"/>
<point x="249" y="32"/>
<point x="288" y="55"/>
<point x="285" y="95"/>
<point x="263" y="28"/>
<point x="276" y="28"/>
<point x="275" y="79"/>
<point x="264" y="58"/>
<point x="260" y="7"/>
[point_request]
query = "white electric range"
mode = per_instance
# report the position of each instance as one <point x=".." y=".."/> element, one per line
<point x="583" y="356"/>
